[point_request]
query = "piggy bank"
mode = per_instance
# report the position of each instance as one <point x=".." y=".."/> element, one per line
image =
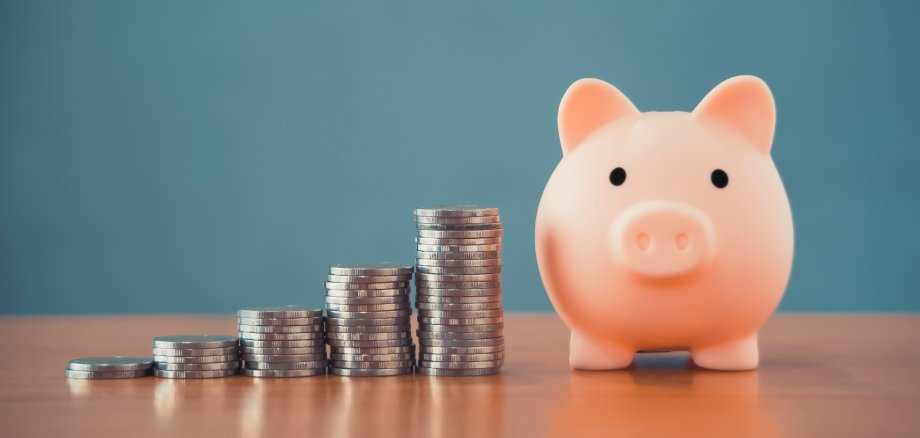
<point x="665" y="230"/>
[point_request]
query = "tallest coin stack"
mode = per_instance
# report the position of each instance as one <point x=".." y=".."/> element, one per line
<point x="458" y="291"/>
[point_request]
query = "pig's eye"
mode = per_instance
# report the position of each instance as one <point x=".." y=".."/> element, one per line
<point x="719" y="178"/>
<point x="618" y="176"/>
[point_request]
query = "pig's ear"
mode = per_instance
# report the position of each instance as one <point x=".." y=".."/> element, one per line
<point x="587" y="105"/>
<point x="744" y="103"/>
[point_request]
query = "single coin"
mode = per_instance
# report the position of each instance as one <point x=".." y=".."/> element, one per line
<point x="458" y="278"/>
<point x="457" y="248"/>
<point x="462" y="350"/>
<point x="281" y="336"/>
<point x="455" y="211"/>
<point x="407" y="349"/>
<point x="366" y="328"/>
<point x="281" y="328"/>
<point x="372" y="357"/>
<point x="457" y="336"/>
<point x="252" y="365"/>
<point x="366" y="286"/>
<point x="284" y="373"/>
<point x="457" y="373"/>
<point x="368" y="307"/>
<point x="195" y="341"/>
<point x="468" y="306"/>
<point x="430" y="292"/>
<point x="368" y="336"/>
<point x="368" y="278"/>
<point x="198" y="366"/>
<point x="280" y="343"/>
<point x="460" y="313"/>
<point x="353" y="372"/>
<point x="461" y="321"/>
<point x="489" y="342"/>
<point x="284" y="350"/>
<point x="422" y="298"/>
<point x="491" y="219"/>
<point x="458" y="263"/>
<point x="469" y="234"/>
<point x="332" y="324"/>
<point x="386" y="343"/>
<point x="280" y="321"/>
<point x="110" y="363"/>
<point x="459" y="227"/>
<point x="461" y="357"/>
<point x="471" y="270"/>
<point x="369" y="365"/>
<point x="371" y="269"/>
<point x="195" y="374"/>
<point x="439" y="255"/>
<point x="461" y="328"/>
<point x="273" y="312"/>
<point x="197" y="359"/>
<point x="458" y="285"/>
<point x="195" y="351"/>
<point x="368" y="300"/>
<point x="130" y="374"/>
<point x="450" y="241"/>
<point x="462" y="365"/>
<point x="370" y="315"/>
<point x="344" y="293"/>
<point x="284" y="357"/>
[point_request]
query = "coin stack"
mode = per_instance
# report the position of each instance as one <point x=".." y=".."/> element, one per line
<point x="196" y="356"/>
<point x="458" y="291"/>
<point x="369" y="313"/>
<point x="282" y="341"/>
<point x="109" y="367"/>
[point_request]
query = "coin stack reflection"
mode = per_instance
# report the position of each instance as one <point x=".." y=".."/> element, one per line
<point x="196" y="356"/>
<point x="369" y="311"/>
<point x="282" y="341"/>
<point x="458" y="291"/>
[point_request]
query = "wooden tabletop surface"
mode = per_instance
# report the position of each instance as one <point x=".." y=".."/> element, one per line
<point x="820" y="375"/>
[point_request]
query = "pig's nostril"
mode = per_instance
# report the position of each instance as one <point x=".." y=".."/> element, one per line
<point x="682" y="241"/>
<point x="643" y="241"/>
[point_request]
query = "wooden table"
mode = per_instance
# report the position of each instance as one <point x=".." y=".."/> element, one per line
<point x="821" y="375"/>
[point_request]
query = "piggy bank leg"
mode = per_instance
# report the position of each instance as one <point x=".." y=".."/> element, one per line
<point x="730" y="356"/>
<point x="585" y="354"/>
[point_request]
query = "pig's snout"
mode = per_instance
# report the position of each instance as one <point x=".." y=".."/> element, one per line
<point x="662" y="239"/>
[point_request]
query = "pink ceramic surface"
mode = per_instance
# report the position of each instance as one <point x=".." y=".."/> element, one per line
<point x="665" y="230"/>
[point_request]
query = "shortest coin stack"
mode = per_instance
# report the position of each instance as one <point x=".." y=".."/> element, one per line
<point x="109" y="367"/>
<point x="282" y="341"/>
<point x="196" y="356"/>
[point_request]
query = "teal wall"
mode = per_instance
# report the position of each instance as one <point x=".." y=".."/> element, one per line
<point x="201" y="156"/>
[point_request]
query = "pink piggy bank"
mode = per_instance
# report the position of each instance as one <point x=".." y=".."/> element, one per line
<point x="665" y="230"/>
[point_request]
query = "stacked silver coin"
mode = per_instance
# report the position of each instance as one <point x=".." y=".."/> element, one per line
<point x="458" y="291"/>
<point x="196" y="356"/>
<point x="368" y="320"/>
<point x="109" y="367"/>
<point x="282" y="341"/>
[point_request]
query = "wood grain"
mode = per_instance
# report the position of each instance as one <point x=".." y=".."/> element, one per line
<point x="821" y="375"/>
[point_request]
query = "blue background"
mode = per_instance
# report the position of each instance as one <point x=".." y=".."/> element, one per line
<point x="203" y="156"/>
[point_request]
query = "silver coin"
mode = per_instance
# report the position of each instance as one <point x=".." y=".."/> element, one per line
<point x="458" y="227"/>
<point x="372" y="357"/>
<point x="471" y="270"/>
<point x="371" y="269"/>
<point x="461" y="321"/>
<point x="370" y="315"/>
<point x="280" y="328"/>
<point x="368" y="307"/>
<point x="198" y="366"/>
<point x="467" y="306"/>
<point x="273" y="312"/>
<point x="367" y="328"/>
<point x="457" y="336"/>
<point x="428" y="357"/>
<point x="429" y="292"/>
<point x="459" y="263"/>
<point x="488" y="342"/>
<point x="463" y="350"/>
<point x="406" y="349"/>
<point x="460" y="313"/>
<point x="454" y="241"/>
<point x="422" y="298"/>
<point x="387" y="343"/>
<point x="284" y="357"/>
<point x="110" y="363"/>
<point x="457" y="373"/>
<point x="462" y="365"/>
<point x="402" y="292"/>
<point x="461" y="328"/>
<point x="281" y="336"/>
<point x="318" y="320"/>
<point x="353" y="372"/>
<point x="281" y="343"/>
<point x="195" y="341"/>
<point x="491" y="219"/>
<point x="332" y="324"/>
<point x="368" y="300"/>
<point x="195" y="351"/>
<point x="368" y="278"/>
<point x="284" y="350"/>
<point x="368" y="365"/>
<point x="459" y="278"/>
<point x="130" y="374"/>
<point x="457" y="248"/>
<point x="366" y="286"/>
<point x="284" y="373"/>
<point x="470" y="234"/>
<point x="458" y="284"/>
<point x="367" y="336"/>
<point x="252" y="365"/>
<point x="480" y="255"/>
<point x="197" y="359"/>
<point x="455" y="211"/>
<point x="195" y="374"/>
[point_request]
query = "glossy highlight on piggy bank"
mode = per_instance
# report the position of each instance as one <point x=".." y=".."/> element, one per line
<point x="665" y="230"/>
